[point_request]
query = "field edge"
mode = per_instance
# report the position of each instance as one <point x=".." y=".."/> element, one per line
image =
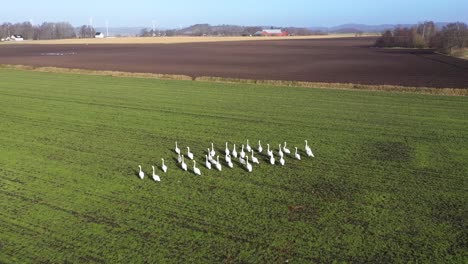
<point x="281" y="83"/>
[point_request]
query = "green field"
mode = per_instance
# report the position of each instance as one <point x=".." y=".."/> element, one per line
<point x="388" y="184"/>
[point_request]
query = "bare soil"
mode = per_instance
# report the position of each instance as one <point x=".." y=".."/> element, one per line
<point x="346" y="60"/>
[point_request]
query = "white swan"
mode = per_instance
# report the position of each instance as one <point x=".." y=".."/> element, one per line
<point x="254" y="159"/>
<point x="189" y="154"/>
<point x="280" y="152"/>
<point x="297" y="155"/>
<point x="281" y="161"/>
<point x="195" y="169"/>
<point x="183" y="165"/>
<point x="177" y="149"/>
<point x="272" y="159"/>
<point x="227" y="158"/>
<point x="260" y="149"/>
<point x="285" y="149"/>
<point x="213" y="152"/>
<point x="241" y="160"/>
<point x="226" y="151"/>
<point x="248" y="165"/>
<point x="209" y="155"/>
<point x="141" y="174"/>
<point x="155" y="177"/>
<point x="179" y="158"/>
<point x="163" y="167"/>
<point x="242" y="153"/>
<point x="247" y="147"/>
<point x="308" y="150"/>
<point x="269" y="152"/>
<point x="234" y="152"/>
<point x="207" y="163"/>
<point x="218" y="164"/>
<point x="230" y="165"/>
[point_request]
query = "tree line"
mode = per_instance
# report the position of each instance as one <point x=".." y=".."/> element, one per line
<point x="451" y="39"/>
<point x="46" y="30"/>
<point x="222" y="30"/>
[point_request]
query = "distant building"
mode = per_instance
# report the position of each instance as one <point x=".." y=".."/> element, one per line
<point x="99" y="35"/>
<point x="271" y="33"/>
<point x="16" y="38"/>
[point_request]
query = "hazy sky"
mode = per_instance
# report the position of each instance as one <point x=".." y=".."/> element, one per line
<point x="175" y="13"/>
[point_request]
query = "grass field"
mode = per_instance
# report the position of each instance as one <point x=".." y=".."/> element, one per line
<point x="388" y="184"/>
<point x="178" y="39"/>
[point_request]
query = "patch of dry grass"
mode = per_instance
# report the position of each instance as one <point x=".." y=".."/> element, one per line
<point x="174" y="40"/>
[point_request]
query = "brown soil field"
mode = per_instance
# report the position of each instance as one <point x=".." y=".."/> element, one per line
<point x="341" y="60"/>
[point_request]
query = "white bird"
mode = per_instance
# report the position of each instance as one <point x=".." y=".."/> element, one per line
<point x="242" y="153"/>
<point x="141" y="173"/>
<point x="184" y="165"/>
<point x="281" y="161"/>
<point x="254" y="159"/>
<point x="230" y="165"/>
<point x="297" y="155"/>
<point x="177" y="149"/>
<point x="280" y="152"/>
<point x="247" y="147"/>
<point x="226" y="151"/>
<point x="285" y="149"/>
<point x="241" y="160"/>
<point x="207" y="163"/>
<point x="155" y="177"/>
<point x="260" y="149"/>
<point x="218" y="164"/>
<point x="195" y="169"/>
<point x="227" y="158"/>
<point x="189" y="154"/>
<point x="248" y="165"/>
<point x="212" y="153"/>
<point x="163" y="167"/>
<point x="272" y="159"/>
<point x="308" y="150"/>
<point x="234" y="152"/>
<point x="269" y="152"/>
<point x="179" y="158"/>
<point x="209" y="155"/>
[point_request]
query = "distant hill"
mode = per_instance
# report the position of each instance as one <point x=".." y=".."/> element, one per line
<point x="351" y="28"/>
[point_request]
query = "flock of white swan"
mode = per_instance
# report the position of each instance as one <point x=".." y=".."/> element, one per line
<point x="242" y="156"/>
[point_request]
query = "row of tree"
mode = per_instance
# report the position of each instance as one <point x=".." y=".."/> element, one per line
<point x="46" y="30"/>
<point x="451" y="39"/>
<point x="221" y="30"/>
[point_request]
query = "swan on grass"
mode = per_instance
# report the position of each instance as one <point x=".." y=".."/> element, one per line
<point x="272" y="159"/>
<point x="177" y="149"/>
<point x="234" y="152"/>
<point x="207" y="163"/>
<point x="248" y="165"/>
<point x="281" y="161"/>
<point x="285" y="149"/>
<point x="218" y="164"/>
<point x="189" y="154"/>
<point x="308" y="150"/>
<point x="195" y="169"/>
<point x="242" y="153"/>
<point x="298" y="157"/>
<point x="155" y="177"/>
<point x="254" y="159"/>
<point x="226" y="151"/>
<point x="247" y="147"/>
<point x="163" y="167"/>
<point x="212" y="153"/>
<point x="260" y="149"/>
<point x="183" y="164"/>
<point x="179" y="158"/>
<point x="141" y="174"/>
<point x="269" y="152"/>
<point x="280" y="152"/>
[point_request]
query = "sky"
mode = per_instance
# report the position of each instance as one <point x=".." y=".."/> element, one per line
<point x="177" y="13"/>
